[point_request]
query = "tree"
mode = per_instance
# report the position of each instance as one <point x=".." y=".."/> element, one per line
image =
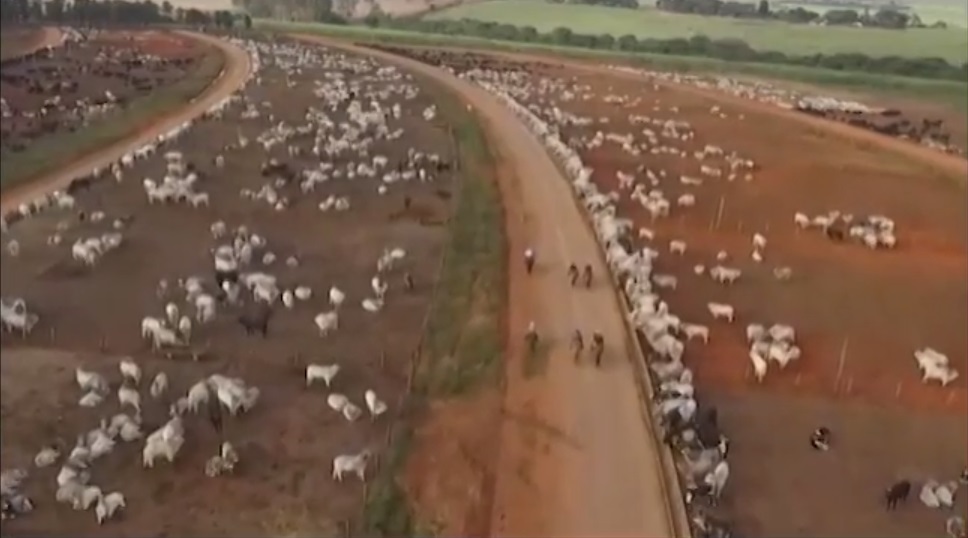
<point x="167" y="8"/>
<point x="627" y="42"/>
<point x="248" y="21"/>
<point x="561" y="35"/>
<point x="763" y="9"/>
<point x="54" y="10"/>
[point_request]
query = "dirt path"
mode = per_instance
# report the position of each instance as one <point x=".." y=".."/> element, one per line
<point x="233" y="75"/>
<point x="577" y="455"/>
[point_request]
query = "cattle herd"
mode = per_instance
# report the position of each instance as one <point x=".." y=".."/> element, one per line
<point x="257" y="240"/>
<point x="65" y="88"/>
<point x="928" y="131"/>
<point x="275" y="253"/>
<point x="550" y="106"/>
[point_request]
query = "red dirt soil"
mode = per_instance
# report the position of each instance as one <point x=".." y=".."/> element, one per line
<point x="886" y="303"/>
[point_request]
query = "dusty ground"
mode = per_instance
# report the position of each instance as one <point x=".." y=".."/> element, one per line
<point x="288" y="442"/>
<point x="54" y="91"/>
<point x="884" y="304"/>
<point x="19" y="41"/>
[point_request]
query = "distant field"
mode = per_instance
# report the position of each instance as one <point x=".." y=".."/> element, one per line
<point x="945" y="92"/>
<point x="951" y="12"/>
<point x="951" y="44"/>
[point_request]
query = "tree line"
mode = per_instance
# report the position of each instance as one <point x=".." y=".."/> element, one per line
<point x="886" y="17"/>
<point x="327" y="11"/>
<point x="106" y="12"/>
<point x="734" y="50"/>
<point x="627" y="4"/>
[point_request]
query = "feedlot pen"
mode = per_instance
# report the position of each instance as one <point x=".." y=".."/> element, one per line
<point x="288" y="441"/>
<point x="859" y="313"/>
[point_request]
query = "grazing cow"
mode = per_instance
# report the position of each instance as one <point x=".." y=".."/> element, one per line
<point x="256" y="321"/>
<point x="898" y="492"/>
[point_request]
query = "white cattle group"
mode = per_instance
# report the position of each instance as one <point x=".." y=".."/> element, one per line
<point x="536" y="99"/>
<point x="348" y="134"/>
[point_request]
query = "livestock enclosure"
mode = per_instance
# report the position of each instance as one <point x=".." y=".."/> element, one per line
<point x="732" y="171"/>
<point x="100" y="85"/>
<point x="381" y="175"/>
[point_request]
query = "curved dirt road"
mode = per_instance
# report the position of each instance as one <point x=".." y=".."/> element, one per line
<point x="589" y="464"/>
<point x="233" y="76"/>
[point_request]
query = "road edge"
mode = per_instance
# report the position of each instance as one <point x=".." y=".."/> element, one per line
<point x="235" y="72"/>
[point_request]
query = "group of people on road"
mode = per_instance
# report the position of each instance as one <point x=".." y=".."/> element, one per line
<point x="578" y="341"/>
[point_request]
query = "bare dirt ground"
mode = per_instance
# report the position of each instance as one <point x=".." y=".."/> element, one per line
<point x="20" y="41"/>
<point x="69" y="88"/>
<point x="283" y="486"/>
<point x="576" y="454"/>
<point x="233" y="75"/>
<point x="839" y="292"/>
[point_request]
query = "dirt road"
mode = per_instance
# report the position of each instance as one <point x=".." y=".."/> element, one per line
<point x="578" y="457"/>
<point x="233" y="75"/>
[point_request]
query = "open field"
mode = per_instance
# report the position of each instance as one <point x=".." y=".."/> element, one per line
<point x="850" y="305"/>
<point x="62" y="104"/>
<point x="951" y="12"/>
<point x="330" y="230"/>
<point x="952" y="95"/>
<point x="950" y="44"/>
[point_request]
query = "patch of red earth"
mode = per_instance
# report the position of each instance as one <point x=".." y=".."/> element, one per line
<point x="158" y="43"/>
<point x="839" y="291"/>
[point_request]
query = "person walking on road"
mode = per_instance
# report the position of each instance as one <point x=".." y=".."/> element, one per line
<point x="529" y="259"/>
<point x="577" y="344"/>
<point x="598" y="347"/>
<point x="587" y="275"/>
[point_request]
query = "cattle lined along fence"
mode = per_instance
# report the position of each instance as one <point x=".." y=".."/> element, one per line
<point x="671" y="480"/>
<point x="646" y="390"/>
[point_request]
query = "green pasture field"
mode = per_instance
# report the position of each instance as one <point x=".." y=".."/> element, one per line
<point x="950" y="12"/>
<point x="950" y="44"/>
<point x="949" y="93"/>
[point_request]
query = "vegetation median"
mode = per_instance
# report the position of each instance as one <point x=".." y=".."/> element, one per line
<point x="464" y="333"/>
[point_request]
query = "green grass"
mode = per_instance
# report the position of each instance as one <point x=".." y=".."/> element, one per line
<point x="950" y="44"/>
<point x="948" y="93"/>
<point x="51" y="152"/>
<point x="463" y="342"/>
<point x="929" y="11"/>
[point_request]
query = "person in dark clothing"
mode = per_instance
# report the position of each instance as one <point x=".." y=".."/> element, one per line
<point x="820" y="439"/>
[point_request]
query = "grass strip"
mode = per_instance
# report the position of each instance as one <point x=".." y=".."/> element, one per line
<point x="464" y="336"/>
